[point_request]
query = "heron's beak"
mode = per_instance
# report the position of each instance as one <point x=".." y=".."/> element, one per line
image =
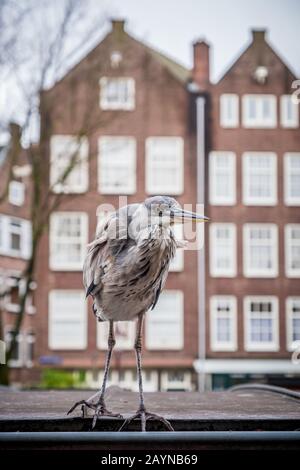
<point x="181" y="216"/>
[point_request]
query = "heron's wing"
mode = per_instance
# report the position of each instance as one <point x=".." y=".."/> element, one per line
<point x="111" y="238"/>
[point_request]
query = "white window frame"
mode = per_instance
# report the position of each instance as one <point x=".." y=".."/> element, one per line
<point x="290" y="344"/>
<point x="19" y="362"/>
<point x="118" y="104"/>
<point x="216" y="345"/>
<point x="54" y="263"/>
<point x="29" y="339"/>
<point x="53" y="344"/>
<point x="229" y="100"/>
<point x="168" y="385"/>
<point x="261" y="346"/>
<point x="150" y="342"/>
<point x="14" y="280"/>
<point x="24" y="230"/>
<point x="170" y="188"/>
<point x="215" y="271"/>
<point x="213" y="168"/>
<point x="121" y="328"/>
<point x="285" y="121"/>
<point x="288" y="171"/>
<point x="69" y="145"/>
<point x="16" y="193"/>
<point x="130" y="186"/>
<point x="289" y="271"/>
<point x="259" y="122"/>
<point x="250" y="200"/>
<point x="250" y="272"/>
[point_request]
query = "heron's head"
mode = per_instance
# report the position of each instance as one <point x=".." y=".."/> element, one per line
<point x="165" y="211"/>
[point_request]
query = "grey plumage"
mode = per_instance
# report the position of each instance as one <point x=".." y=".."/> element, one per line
<point x="125" y="270"/>
<point x="127" y="264"/>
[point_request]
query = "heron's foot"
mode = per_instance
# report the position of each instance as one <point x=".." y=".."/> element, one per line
<point x="101" y="411"/>
<point x="145" y="416"/>
<point x="82" y="403"/>
<point x="99" y="407"/>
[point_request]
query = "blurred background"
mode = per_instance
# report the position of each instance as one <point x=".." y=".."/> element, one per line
<point x="105" y="103"/>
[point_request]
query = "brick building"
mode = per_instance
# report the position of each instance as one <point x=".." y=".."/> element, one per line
<point x="15" y="246"/>
<point x="133" y="107"/>
<point x="253" y="240"/>
<point x="142" y="124"/>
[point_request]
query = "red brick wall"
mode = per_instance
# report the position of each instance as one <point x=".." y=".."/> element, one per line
<point x="239" y="80"/>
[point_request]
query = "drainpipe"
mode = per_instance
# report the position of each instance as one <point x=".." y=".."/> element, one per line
<point x="200" y="143"/>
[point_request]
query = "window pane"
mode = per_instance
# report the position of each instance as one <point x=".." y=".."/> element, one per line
<point x="261" y="325"/>
<point x="260" y="256"/>
<point x="164" y="165"/>
<point x="68" y="239"/>
<point x="117" y="93"/>
<point x="222" y="178"/>
<point x="259" y="111"/>
<point x="223" y="250"/>
<point x="117" y="165"/>
<point x="164" y="324"/>
<point x="67" y="320"/>
<point x="69" y="164"/>
<point x="259" y="178"/>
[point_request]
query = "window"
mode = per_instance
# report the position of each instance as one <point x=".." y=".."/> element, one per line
<point x="223" y="326"/>
<point x="261" y="323"/>
<point x="178" y="261"/>
<point x="293" y="322"/>
<point x="29" y="348"/>
<point x="292" y="178"/>
<point x="222" y="178"/>
<point x="14" y="287"/>
<point x="125" y="378"/>
<point x="289" y="112"/>
<point x="164" y="165"/>
<point x="117" y="93"/>
<point x="176" y="380"/>
<point x="68" y="239"/>
<point x="15" y="237"/>
<point x="260" y="250"/>
<point x="259" y="111"/>
<point x="17" y="354"/>
<point x="292" y="250"/>
<point x="124" y="333"/>
<point x="67" y="320"/>
<point x="117" y="165"/>
<point x="222" y="253"/>
<point x="260" y="178"/>
<point x="164" y="324"/>
<point x="16" y="193"/>
<point x="229" y="110"/>
<point x="68" y="162"/>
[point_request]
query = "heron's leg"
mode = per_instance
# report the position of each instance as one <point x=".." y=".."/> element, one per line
<point x="96" y="402"/>
<point x="141" y="412"/>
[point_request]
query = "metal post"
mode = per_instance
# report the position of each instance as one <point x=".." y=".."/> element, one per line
<point x="200" y="126"/>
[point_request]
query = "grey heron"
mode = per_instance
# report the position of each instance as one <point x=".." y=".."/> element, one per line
<point x="125" y="270"/>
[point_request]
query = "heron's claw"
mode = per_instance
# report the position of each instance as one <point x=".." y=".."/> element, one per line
<point x="83" y="403"/>
<point x="100" y="411"/>
<point x="144" y="416"/>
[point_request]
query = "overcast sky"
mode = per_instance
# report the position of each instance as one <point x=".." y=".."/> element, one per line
<point x="172" y="26"/>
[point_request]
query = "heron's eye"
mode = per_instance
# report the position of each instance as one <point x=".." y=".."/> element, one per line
<point x="160" y="213"/>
